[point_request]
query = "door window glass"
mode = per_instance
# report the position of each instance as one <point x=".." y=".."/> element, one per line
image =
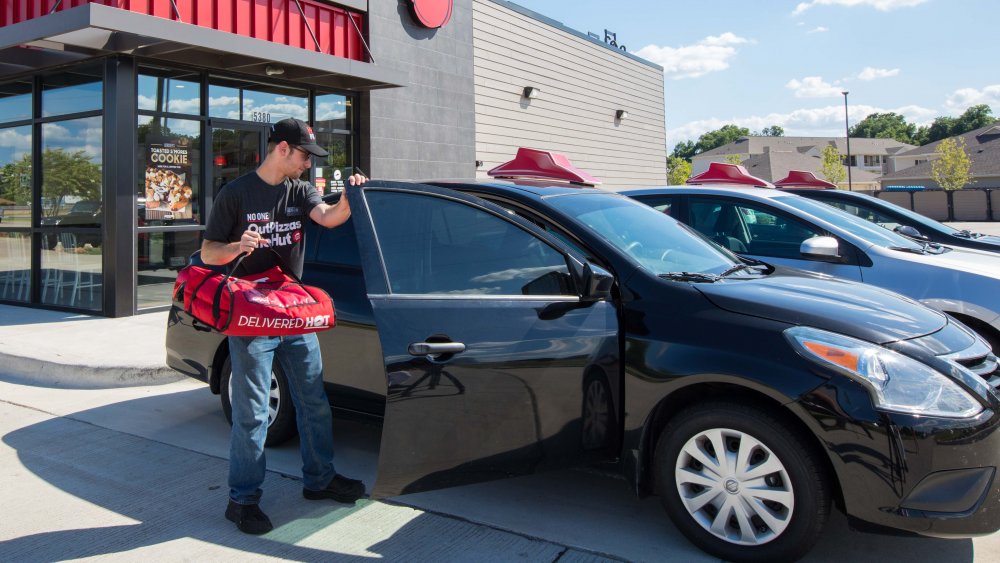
<point x="433" y="245"/>
<point x="749" y="229"/>
<point x="160" y="256"/>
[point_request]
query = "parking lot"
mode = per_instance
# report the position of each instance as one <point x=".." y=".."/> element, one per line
<point x="106" y="454"/>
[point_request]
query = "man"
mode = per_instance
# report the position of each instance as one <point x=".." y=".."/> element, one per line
<point x="268" y="208"/>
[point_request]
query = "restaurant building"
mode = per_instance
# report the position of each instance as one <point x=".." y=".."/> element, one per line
<point x="121" y="119"/>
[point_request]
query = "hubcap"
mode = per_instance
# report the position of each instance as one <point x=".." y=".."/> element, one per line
<point x="273" y="400"/>
<point x="734" y="486"/>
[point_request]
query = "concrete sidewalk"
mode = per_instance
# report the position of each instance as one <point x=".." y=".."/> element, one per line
<point x="76" y="350"/>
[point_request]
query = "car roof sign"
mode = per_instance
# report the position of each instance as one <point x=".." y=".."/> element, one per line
<point x="723" y="173"/>
<point x="804" y="179"/>
<point x="534" y="163"/>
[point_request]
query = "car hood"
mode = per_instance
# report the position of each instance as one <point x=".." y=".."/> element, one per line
<point x="982" y="262"/>
<point x="846" y="307"/>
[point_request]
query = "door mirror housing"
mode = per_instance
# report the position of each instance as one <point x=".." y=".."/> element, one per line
<point x="596" y="283"/>
<point x="825" y="249"/>
<point x="908" y="231"/>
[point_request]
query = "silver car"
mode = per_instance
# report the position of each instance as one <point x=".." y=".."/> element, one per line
<point x="784" y="229"/>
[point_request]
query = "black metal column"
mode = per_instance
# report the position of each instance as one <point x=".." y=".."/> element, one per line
<point x="120" y="232"/>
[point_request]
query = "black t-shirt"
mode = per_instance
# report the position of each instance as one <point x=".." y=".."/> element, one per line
<point x="278" y="213"/>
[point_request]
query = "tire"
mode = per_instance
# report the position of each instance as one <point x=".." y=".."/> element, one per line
<point x="696" y="497"/>
<point x="281" y="413"/>
<point x="597" y="413"/>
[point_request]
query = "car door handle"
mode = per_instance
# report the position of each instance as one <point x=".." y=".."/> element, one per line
<point x="434" y="348"/>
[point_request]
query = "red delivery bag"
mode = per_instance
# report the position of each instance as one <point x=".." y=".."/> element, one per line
<point x="270" y="303"/>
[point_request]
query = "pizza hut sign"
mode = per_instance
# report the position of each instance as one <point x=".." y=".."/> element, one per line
<point x="432" y="13"/>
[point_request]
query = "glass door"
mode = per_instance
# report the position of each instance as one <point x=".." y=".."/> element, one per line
<point x="236" y="149"/>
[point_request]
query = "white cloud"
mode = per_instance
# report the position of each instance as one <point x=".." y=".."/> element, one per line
<point x="813" y="87"/>
<point x="819" y="29"/>
<point x="711" y="54"/>
<point x="961" y="99"/>
<point x="870" y="73"/>
<point x="880" y="5"/>
<point x="826" y="121"/>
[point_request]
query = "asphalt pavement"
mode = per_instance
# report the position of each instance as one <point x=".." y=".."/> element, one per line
<point x="105" y="453"/>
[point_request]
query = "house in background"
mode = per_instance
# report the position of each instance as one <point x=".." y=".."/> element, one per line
<point x="913" y="167"/>
<point x="770" y="158"/>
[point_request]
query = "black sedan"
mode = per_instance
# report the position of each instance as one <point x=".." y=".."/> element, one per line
<point x="504" y="327"/>
<point x="900" y="219"/>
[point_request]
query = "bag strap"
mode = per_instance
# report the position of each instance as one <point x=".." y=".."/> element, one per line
<point x="217" y="300"/>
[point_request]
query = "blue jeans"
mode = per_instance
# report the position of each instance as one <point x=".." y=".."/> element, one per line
<point x="302" y="364"/>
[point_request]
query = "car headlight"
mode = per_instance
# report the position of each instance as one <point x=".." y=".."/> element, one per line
<point x="896" y="382"/>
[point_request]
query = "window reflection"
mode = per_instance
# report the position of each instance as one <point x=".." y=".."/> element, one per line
<point x="71" y="170"/>
<point x="74" y="90"/>
<point x="223" y="101"/>
<point x="15" y="101"/>
<point x="15" y="176"/>
<point x="15" y="266"/>
<point x="333" y="111"/>
<point x="161" y="256"/>
<point x="271" y="107"/>
<point x="71" y="272"/>
<point x="161" y="92"/>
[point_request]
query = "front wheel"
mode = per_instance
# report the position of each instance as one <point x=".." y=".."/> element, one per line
<point x="740" y="484"/>
<point x="280" y="411"/>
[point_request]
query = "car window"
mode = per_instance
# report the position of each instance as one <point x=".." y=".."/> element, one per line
<point x="855" y="225"/>
<point x="750" y="228"/>
<point x="661" y="203"/>
<point x="863" y="211"/>
<point x="654" y="240"/>
<point x="436" y="245"/>
<point x="334" y="246"/>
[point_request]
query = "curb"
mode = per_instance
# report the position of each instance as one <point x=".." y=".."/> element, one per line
<point x="51" y="374"/>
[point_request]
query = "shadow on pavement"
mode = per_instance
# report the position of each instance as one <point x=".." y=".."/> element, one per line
<point x="84" y="489"/>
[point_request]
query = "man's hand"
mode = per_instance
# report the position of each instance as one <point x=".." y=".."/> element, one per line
<point x="357" y="179"/>
<point x="251" y="240"/>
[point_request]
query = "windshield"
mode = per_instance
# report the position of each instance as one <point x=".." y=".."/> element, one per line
<point x="853" y="224"/>
<point x="654" y="240"/>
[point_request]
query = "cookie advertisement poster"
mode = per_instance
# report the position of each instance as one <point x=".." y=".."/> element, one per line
<point x="168" y="179"/>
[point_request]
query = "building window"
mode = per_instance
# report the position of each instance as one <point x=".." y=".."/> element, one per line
<point x="166" y="91"/>
<point x="15" y="101"/>
<point x="74" y="90"/>
<point x="249" y="101"/>
<point x="873" y="160"/>
<point x="71" y="171"/>
<point x="853" y="161"/>
<point x="168" y="164"/>
<point x="15" y="177"/>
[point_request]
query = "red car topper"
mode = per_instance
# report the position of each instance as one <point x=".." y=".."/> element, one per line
<point x="534" y="163"/>
<point x="722" y="173"/>
<point x="803" y="179"/>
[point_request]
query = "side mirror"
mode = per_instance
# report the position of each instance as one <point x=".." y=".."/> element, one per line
<point x="825" y="249"/>
<point x="908" y="231"/>
<point x="594" y="282"/>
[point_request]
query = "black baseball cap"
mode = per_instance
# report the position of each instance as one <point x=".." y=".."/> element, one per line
<point x="296" y="132"/>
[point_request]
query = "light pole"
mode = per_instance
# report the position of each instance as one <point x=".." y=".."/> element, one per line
<point x="847" y="131"/>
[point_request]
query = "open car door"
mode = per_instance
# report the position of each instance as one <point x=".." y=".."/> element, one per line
<point x="500" y="346"/>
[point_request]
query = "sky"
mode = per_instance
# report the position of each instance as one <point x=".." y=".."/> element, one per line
<point x="757" y="63"/>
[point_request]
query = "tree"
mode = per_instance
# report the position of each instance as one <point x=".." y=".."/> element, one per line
<point x="885" y="126"/>
<point x="678" y="170"/>
<point x="685" y="150"/>
<point x="772" y="131"/>
<point x="68" y="174"/>
<point x="832" y="166"/>
<point x="15" y="182"/>
<point x="708" y="141"/>
<point x="952" y="167"/>
<point x="943" y="127"/>
<point x="734" y="158"/>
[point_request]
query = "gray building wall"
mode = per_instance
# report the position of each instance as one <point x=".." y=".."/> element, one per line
<point x="583" y="82"/>
<point x="427" y="128"/>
